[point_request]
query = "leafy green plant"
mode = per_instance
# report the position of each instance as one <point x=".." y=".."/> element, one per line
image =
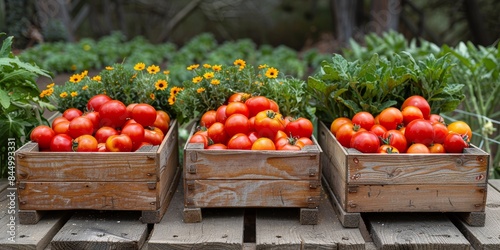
<point x="21" y="105"/>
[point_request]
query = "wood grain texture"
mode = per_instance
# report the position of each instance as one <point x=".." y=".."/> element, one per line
<point x="251" y="193"/>
<point x="101" y="230"/>
<point x="220" y="229"/>
<point x="349" y="220"/>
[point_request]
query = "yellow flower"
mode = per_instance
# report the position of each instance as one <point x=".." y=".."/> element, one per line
<point x="49" y="91"/>
<point x="50" y="85"/>
<point x="86" y="47"/>
<point x="200" y="90"/>
<point x="152" y="96"/>
<point x="161" y="84"/>
<point x="206" y="66"/>
<point x="166" y="72"/>
<point x="85" y="87"/>
<point x="272" y="73"/>
<point x="74" y="93"/>
<point x="153" y="69"/>
<point x="197" y="79"/>
<point x="84" y="73"/>
<point x="171" y="100"/>
<point x="217" y="68"/>
<point x="241" y="63"/>
<point x="43" y="93"/>
<point x="208" y="75"/>
<point x="194" y="66"/>
<point x="75" y="78"/>
<point x="109" y="68"/>
<point x="140" y="66"/>
<point x="262" y="66"/>
<point x="215" y="82"/>
<point x="73" y="67"/>
<point x="63" y="94"/>
<point x="96" y="78"/>
<point x="175" y="90"/>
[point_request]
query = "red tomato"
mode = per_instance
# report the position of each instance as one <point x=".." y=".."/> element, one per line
<point x="436" y="118"/>
<point x="455" y="143"/>
<point x="411" y="113"/>
<point x="263" y="144"/>
<point x="390" y="118"/>
<point x="72" y="113"/>
<point x="363" y="119"/>
<point x="80" y="126"/>
<point x="268" y="123"/>
<point x="306" y="141"/>
<point x="274" y="106"/>
<point x="419" y="102"/>
<point x="199" y="138"/>
<point x="103" y="133"/>
<point x="218" y="146"/>
<point x="251" y="123"/>
<point x="256" y="104"/>
<point x="221" y="114"/>
<point x="337" y="123"/>
<point x="418" y="148"/>
<point x="345" y="133"/>
<point x="58" y="120"/>
<point x="136" y="133"/>
<point x="387" y="149"/>
<point x="238" y="97"/>
<point x="378" y="129"/>
<point x="437" y="148"/>
<point x="95" y="103"/>
<point x="236" y="123"/>
<point x="113" y="114"/>
<point x="119" y="143"/>
<point x="208" y="118"/>
<point x="420" y="131"/>
<point x="130" y="107"/>
<point x="440" y="132"/>
<point x="153" y="136"/>
<point x="280" y="134"/>
<point x="217" y="133"/>
<point x="85" y="143"/>
<point x="162" y="121"/>
<point x="288" y="144"/>
<point x="237" y="108"/>
<point x="61" y="127"/>
<point x="239" y="141"/>
<point x="42" y="135"/>
<point x="144" y="114"/>
<point x="396" y="139"/>
<point x="94" y="117"/>
<point x="460" y="127"/>
<point x="101" y="147"/>
<point x="61" y="143"/>
<point x="300" y="127"/>
<point x="365" y="142"/>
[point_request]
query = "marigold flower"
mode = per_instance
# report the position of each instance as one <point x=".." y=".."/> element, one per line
<point x="207" y="66"/>
<point x="161" y="84"/>
<point x="175" y="90"/>
<point x="152" y="96"/>
<point x="215" y="82"/>
<point x="84" y="73"/>
<point x="166" y="72"/>
<point x="63" y="94"/>
<point x="200" y="90"/>
<point x="44" y="93"/>
<point x="50" y="85"/>
<point x="208" y="75"/>
<point x="240" y="63"/>
<point x="153" y="69"/>
<point x="74" y="93"/>
<point x="96" y="78"/>
<point x="140" y="66"/>
<point x="75" y="78"/>
<point x="272" y="73"/>
<point x="197" y="79"/>
<point x="109" y="68"/>
<point x="171" y="100"/>
<point x="192" y="67"/>
<point x="262" y="66"/>
<point x="217" y="68"/>
<point x="85" y="87"/>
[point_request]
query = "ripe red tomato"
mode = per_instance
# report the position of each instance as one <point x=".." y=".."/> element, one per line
<point x="113" y="114"/>
<point x="61" y="127"/>
<point x="237" y="108"/>
<point x="72" y="113"/>
<point x="218" y="146"/>
<point x="433" y="118"/>
<point x="239" y="141"/>
<point x="387" y="149"/>
<point x="119" y="143"/>
<point x="418" y="148"/>
<point x="238" y="97"/>
<point x="396" y="139"/>
<point x="59" y="120"/>
<point x="419" y="102"/>
<point x="95" y="103"/>
<point x="263" y="144"/>
<point x="42" y="135"/>
<point x="337" y="123"/>
<point x="300" y="127"/>
<point x="144" y="114"/>
<point x="61" y="143"/>
<point x="256" y="104"/>
<point x="440" y="132"/>
<point x="103" y="133"/>
<point x="136" y="133"/>
<point x="153" y="136"/>
<point x="288" y="144"/>
<point x="94" y="117"/>
<point x="345" y="133"/>
<point x="365" y="142"/>
<point x="363" y="119"/>
<point x="85" y="143"/>
<point x="411" y="113"/>
<point x="455" y="143"/>
<point x="199" y="138"/>
<point x="80" y="126"/>
<point x="208" y="118"/>
<point x="236" y="123"/>
<point x="130" y="107"/>
<point x="437" y="148"/>
<point x="217" y="133"/>
<point x="390" y="118"/>
<point x="306" y="141"/>
<point x="420" y="131"/>
<point x="461" y="128"/>
<point x="280" y="134"/>
<point x="268" y="123"/>
<point x="221" y="114"/>
<point x="378" y="129"/>
<point x="274" y="106"/>
<point x="162" y="121"/>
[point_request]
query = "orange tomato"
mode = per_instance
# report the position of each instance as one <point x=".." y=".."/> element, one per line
<point x="461" y="128"/>
<point x="437" y="148"/>
<point x="418" y="148"/>
<point x="337" y="123"/>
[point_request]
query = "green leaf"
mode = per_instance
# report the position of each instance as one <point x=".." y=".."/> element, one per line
<point x="4" y="99"/>
<point x="24" y="65"/>
<point x="6" y="46"/>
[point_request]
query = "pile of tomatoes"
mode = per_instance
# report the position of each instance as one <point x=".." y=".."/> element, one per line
<point x="411" y="129"/>
<point x="107" y="126"/>
<point x="253" y="123"/>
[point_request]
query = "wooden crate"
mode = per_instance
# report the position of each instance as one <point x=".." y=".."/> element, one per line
<point x="137" y="181"/>
<point x="403" y="182"/>
<point x="246" y="178"/>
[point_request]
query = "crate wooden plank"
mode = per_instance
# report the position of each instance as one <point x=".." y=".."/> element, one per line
<point x="414" y="231"/>
<point x="87" y="195"/>
<point x="251" y="193"/>
<point x="220" y="229"/>
<point x="101" y="230"/>
<point x="487" y="237"/>
<point x="280" y="229"/>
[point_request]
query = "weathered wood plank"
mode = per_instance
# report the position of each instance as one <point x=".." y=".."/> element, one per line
<point x="101" y="230"/>
<point x="250" y="193"/>
<point x="487" y="237"/>
<point x="346" y="219"/>
<point x="220" y="229"/>
<point x="414" y="231"/>
<point x="281" y="229"/>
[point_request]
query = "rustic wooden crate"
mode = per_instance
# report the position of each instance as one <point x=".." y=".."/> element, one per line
<point x="137" y="181"/>
<point x="403" y="182"/>
<point x="246" y="178"/>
